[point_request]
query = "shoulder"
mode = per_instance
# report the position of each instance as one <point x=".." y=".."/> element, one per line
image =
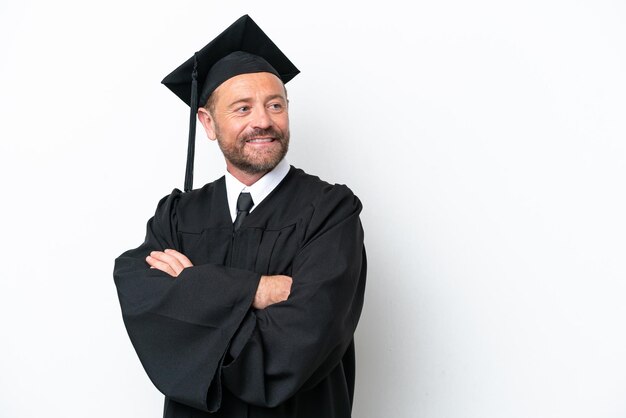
<point x="325" y="206"/>
<point x="322" y="194"/>
<point x="167" y="206"/>
<point x="201" y="196"/>
<point x="178" y="204"/>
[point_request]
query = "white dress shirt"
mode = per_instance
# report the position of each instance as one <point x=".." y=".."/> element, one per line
<point x="258" y="191"/>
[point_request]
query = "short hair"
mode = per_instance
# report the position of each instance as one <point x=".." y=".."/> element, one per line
<point x="210" y="104"/>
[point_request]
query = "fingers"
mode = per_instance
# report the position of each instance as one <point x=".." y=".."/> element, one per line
<point x="182" y="258"/>
<point x="155" y="263"/>
<point x="282" y="289"/>
<point x="271" y="290"/>
<point x="169" y="261"/>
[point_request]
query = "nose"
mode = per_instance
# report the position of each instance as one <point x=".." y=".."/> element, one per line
<point x="261" y="119"/>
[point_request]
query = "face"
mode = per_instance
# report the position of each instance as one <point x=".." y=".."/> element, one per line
<point x="250" y="121"/>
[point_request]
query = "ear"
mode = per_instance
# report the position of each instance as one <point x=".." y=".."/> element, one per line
<point x="207" y="122"/>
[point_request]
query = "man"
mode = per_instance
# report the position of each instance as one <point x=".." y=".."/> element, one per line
<point x="245" y="295"/>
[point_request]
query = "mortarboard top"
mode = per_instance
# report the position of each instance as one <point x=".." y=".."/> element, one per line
<point x="243" y="35"/>
<point x="240" y="49"/>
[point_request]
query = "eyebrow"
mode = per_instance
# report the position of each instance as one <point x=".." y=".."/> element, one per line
<point x="244" y="100"/>
<point x="249" y="99"/>
<point x="276" y="96"/>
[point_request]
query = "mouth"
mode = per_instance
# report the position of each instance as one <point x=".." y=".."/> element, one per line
<point x="259" y="140"/>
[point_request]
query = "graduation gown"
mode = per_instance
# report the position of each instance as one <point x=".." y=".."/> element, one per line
<point x="198" y="337"/>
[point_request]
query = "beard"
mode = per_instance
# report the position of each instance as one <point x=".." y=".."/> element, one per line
<point x="255" y="161"/>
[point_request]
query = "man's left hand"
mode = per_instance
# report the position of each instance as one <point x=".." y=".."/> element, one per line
<point x="169" y="261"/>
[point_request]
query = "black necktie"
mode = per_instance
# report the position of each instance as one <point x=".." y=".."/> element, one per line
<point x="244" y="204"/>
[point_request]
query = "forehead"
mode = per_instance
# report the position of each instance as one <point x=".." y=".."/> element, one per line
<point x="249" y="86"/>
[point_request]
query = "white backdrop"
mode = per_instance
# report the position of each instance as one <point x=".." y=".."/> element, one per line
<point x="486" y="140"/>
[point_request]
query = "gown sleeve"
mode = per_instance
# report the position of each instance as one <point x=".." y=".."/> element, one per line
<point x="295" y="344"/>
<point x="181" y="327"/>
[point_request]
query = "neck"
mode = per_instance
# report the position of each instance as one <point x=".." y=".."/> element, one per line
<point x="246" y="178"/>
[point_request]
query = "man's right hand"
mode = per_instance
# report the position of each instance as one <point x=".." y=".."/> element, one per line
<point x="271" y="290"/>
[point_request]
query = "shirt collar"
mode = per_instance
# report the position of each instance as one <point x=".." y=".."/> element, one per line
<point x="258" y="191"/>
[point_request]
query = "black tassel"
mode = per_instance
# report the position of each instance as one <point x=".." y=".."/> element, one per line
<point x="191" y="146"/>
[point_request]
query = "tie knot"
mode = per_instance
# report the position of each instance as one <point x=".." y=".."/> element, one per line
<point x="244" y="202"/>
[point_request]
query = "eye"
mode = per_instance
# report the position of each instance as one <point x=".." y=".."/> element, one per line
<point x="276" y="106"/>
<point x="243" y="109"/>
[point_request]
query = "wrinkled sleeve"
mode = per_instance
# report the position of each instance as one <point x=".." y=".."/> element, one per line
<point x="181" y="327"/>
<point x="295" y="344"/>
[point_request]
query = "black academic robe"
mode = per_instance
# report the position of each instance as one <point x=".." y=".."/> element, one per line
<point x="198" y="337"/>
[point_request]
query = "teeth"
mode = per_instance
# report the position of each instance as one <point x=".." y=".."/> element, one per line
<point x="260" y="140"/>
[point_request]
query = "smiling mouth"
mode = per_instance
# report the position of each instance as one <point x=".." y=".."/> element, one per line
<point x="259" y="140"/>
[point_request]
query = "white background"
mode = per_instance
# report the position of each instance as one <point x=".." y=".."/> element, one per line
<point x="486" y="140"/>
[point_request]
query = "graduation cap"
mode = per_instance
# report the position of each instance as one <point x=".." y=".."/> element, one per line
<point x="242" y="48"/>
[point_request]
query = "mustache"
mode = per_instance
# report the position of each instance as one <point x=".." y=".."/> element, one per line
<point x="258" y="132"/>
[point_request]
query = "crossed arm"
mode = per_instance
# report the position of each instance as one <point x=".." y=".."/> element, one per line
<point x="271" y="289"/>
<point x="193" y="329"/>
